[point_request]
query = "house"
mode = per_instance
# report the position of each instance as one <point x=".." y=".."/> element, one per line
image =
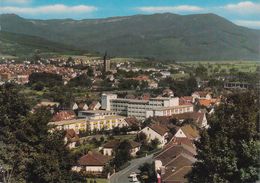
<point x="64" y="115"/>
<point x="132" y="122"/>
<point x="80" y="106"/>
<point x="167" y="93"/>
<point x="199" y="118"/>
<point x="71" y="138"/>
<point x="95" y="105"/>
<point x="201" y="95"/>
<point x="110" y="147"/>
<point x="156" y="131"/>
<point x="187" y="131"/>
<point x="174" y="161"/>
<point x="92" y="162"/>
<point x="186" y="100"/>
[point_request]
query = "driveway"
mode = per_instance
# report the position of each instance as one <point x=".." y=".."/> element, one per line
<point x="122" y="176"/>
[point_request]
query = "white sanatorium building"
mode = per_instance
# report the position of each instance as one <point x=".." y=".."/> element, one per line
<point x="141" y="109"/>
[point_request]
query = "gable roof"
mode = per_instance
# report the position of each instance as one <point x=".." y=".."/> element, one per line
<point x="170" y="152"/>
<point x="190" y="132"/>
<point x="202" y="93"/>
<point x="131" y="121"/>
<point x="64" y="115"/>
<point x="160" y="129"/>
<point x="93" y="105"/>
<point x="71" y="135"/>
<point x="196" y="116"/>
<point x="93" y="159"/>
<point x="113" y="144"/>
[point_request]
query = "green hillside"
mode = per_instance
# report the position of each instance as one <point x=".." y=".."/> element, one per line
<point x="23" y="45"/>
<point x="164" y="36"/>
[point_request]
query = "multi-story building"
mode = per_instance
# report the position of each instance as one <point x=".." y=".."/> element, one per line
<point x="75" y="124"/>
<point x="104" y="120"/>
<point x="92" y="120"/>
<point x="141" y="109"/>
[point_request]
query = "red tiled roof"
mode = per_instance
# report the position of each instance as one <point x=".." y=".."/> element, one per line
<point x="93" y="159"/>
<point x="64" y="115"/>
<point x="71" y="135"/>
<point x="160" y="129"/>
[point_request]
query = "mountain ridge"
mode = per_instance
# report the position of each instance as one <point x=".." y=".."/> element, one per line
<point x="160" y="36"/>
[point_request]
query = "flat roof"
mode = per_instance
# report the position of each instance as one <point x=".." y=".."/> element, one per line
<point x="98" y="111"/>
<point x="173" y="107"/>
<point x="67" y="122"/>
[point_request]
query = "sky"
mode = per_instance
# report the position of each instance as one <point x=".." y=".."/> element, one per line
<point x="245" y="13"/>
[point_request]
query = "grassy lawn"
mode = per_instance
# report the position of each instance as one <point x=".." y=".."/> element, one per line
<point x="97" y="180"/>
<point x="125" y="137"/>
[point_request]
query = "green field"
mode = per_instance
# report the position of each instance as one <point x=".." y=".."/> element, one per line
<point x="97" y="180"/>
<point x="242" y="66"/>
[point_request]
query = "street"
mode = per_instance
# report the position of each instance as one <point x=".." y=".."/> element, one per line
<point x="122" y="176"/>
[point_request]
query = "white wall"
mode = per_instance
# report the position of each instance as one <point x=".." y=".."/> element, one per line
<point x="107" y="151"/>
<point x="180" y="134"/>
<point x="94" y="168"/>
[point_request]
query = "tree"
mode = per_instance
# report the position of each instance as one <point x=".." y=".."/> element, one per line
<point x="147" y="172"/>
<point x="31" y="153"/>
<point x="228" y="151"/>
<point x="154" y="143"/>
<point x="81" y="80"/>
<point x="201" y="71"/>
<point x="47" y="79"/>
<point x="122" y="154"/>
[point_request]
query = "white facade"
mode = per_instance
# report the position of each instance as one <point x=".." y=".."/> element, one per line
<point x="180" y="134"/>
<point x="137" y="108"/>
<point x="108" y="151"/>
<point x="168" y="111"/>
<point x="151" y="135"/>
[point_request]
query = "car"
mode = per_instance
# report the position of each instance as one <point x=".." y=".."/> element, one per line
<point x="135" y="180"/>
<point x="132" y="174"/>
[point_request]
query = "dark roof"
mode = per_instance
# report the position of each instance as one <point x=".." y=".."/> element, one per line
<point x="113" y="144"/>
<point x="160" y="129"/>
<point x="196" y="116"/>
<point x="93" y="159"/>
<point x="131" y="121"/>
<point x="166" y="155"/>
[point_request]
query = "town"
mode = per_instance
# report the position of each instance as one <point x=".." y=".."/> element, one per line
<point x="129" y="91"/>
<point x="128" y="116"/>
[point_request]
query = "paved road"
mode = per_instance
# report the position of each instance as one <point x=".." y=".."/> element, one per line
<point x="122" y="176"/>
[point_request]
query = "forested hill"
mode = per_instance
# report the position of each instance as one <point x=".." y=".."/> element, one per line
<point x="165" y="36"/>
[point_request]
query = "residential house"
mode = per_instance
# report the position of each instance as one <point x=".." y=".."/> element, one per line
<point x="64" y="115"/>
<point x="174" y="161"/>
<point x="71" y="138"/>
<point x="201" y="95"/>
<point x="110" y="147"/>
<point x="80" y="106"/>
<point x="186" y="100"/>
<point x="95" y="105"/>
<point x="187" y="131"/>
<point x="92" y="162"/>
<point x="167" y="92"/>
<point x="199" y="118"/>
<point x="156" y="131"/>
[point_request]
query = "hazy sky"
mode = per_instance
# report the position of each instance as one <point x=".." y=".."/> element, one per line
<point x="246" y="13"/>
